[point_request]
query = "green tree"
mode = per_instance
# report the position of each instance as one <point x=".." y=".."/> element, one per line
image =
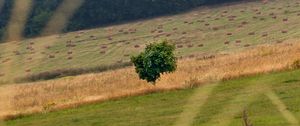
<point x="157" y="59"/>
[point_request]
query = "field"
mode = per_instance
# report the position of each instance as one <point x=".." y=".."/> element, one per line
<point x="20" y="99"/>
<point x="203" y="31"/>
<point x="270" y="100"/>
<point x="237" y="61"/>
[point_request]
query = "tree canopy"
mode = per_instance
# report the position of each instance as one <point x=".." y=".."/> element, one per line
<point x="157" y="59"/>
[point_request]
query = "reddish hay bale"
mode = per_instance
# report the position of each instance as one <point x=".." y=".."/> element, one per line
<point x="190" y="45"/>
<point x="191" y="23"/>
<point x="28" y="47"/>
<point x="136" y="46"/>
<point x="298" y="14"/>
<point x="201" y="21"/>
<point x="191" y="56"/>
<point x="183" y="33"/>
<point x="284" y="31"/>
<point x="244" y="23"/>
<point x="227" y="43"/>
<point x="119" y="61"/>
<point x="69" y="44"/>
<point x="179" y="46"/>
<point x="251" y="33"/>
<point x="285" y="20"/>
<point x="16" y="52"/>
<point x="279" y="41"/>
<point x="200" y="45"/>
<point x="247" y="45"/>
<point x="229" y="34"/>
<point x="70" y="57"/>
<point x="2" y="74"/>
<point x="238" y="41"/>
<point x="160" y="27"/>
<point x="102" y="52"/>
<point x="265" y="1"/>
<point x="27" y="70"/>
<point x="160" y="31"/>
<point x="103" y="47"/>
<point x="215" y="28"/>
<point x="264" y="35"/>
<point x="51" y="56"/>
<point x="231" y="19"/>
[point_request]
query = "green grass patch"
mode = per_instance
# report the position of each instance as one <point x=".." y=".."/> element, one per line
<point x="163" y="109"/>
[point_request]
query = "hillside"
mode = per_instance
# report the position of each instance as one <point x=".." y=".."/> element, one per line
<point x="205" y="31"/>
<point x="91" y="13"/>
<point x="269" y="100"/>
<point x="237" y="63"/>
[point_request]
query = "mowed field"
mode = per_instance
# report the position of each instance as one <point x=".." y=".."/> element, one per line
<point x="203" y="31"/>
<point x="269" y="100"/>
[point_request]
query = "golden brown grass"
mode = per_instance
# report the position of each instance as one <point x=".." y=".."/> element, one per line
<point x="73" y="91"/>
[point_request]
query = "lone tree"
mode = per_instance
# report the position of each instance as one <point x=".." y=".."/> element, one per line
<point x="157" y="59"/>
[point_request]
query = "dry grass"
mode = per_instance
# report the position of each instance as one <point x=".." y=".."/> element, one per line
<point x="73" y="91"/>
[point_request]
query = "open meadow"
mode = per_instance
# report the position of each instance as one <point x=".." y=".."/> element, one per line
<point x="203" y="31"/>
<point x="237" y="63"/>
<point x="269" y="100"/>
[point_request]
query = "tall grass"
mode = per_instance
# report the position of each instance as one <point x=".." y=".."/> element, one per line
<point x="74" y="91"/>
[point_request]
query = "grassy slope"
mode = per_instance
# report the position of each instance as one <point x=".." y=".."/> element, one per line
<point x="154" y="109"/>
<point x="87" y="50"/>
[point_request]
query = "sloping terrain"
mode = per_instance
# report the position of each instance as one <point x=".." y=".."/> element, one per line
<point x="269" y="100"/>
<point x="236" y="62"/>
<point x="204" y="31"/>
